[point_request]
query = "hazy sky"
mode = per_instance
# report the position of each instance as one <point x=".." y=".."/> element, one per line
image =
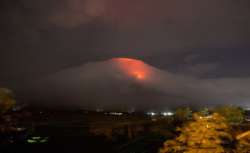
<point x="205" y="41"/>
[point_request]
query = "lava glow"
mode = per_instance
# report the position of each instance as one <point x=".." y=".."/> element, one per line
<point x="139" y="75"/>
<point x="132" y="67"/>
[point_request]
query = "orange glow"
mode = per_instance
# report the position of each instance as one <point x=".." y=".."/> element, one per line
<point x="139" y="75"/>
<point x="132" y="67"/>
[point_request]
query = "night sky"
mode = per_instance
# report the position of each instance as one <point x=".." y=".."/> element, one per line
<point x="65" y="52"/>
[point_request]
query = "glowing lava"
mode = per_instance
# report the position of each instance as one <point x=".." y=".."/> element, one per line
<point x="134" y="68"/>
<point x="139" y="75"/>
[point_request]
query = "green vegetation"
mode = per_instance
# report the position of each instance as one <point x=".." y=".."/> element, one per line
<point x="232" y="114"/>
<point x="204" y="112"/>
<point x="182" y="115"/>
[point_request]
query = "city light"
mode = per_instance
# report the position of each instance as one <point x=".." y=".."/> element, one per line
<point x="99" y="110"/>
<point x="116" y="113"/>
<point x="167" y="113"/>
<point x="151" y="113"/>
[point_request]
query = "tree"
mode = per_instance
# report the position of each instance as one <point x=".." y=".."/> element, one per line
<point x="232" y="114"/>
<point x="182" y="115"/>
<point x="204" y="112"/>
<point x="7" y="100"/>
<point x="203" y="135"/>
<point x="243" y="145"/>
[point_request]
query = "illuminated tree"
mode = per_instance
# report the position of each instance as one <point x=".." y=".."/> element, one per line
<point x="7" y="100"/>
<point x="243" y="145"/>
<point x="231" y="113"/>
<point x="203" y="135"/>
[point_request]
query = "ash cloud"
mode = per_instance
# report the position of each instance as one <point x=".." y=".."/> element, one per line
<point x="105" y="85"/>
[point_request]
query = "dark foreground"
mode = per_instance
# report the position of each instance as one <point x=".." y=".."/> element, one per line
<point x="85" y="131"/>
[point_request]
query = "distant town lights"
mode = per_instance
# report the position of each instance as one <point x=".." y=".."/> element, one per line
<point x="151" y="113"/>
<point x="116" y="113"/>
<point x="162" y="113"/>
<point x="167" y="113"/>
